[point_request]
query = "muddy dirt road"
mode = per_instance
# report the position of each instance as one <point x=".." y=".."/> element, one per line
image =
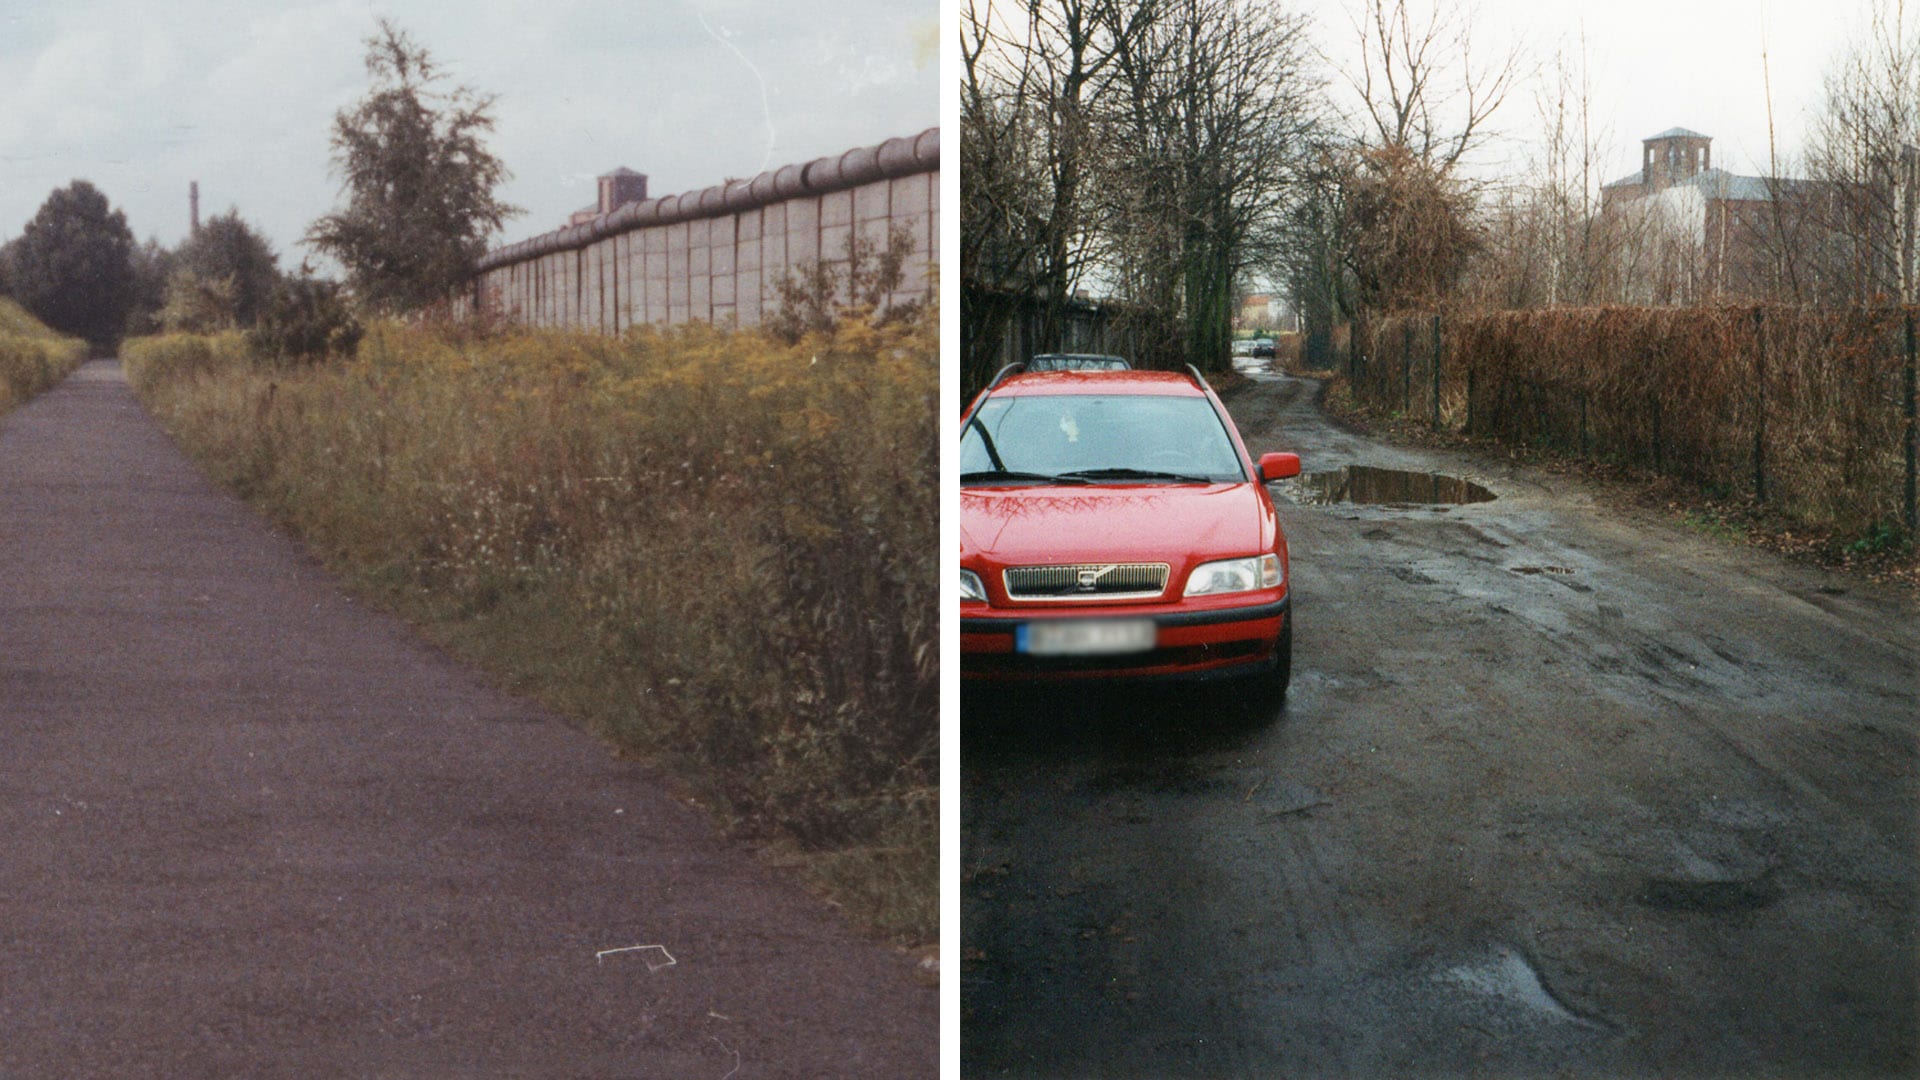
<point x="1558" y="791"/>
<point x="255" y="830"/>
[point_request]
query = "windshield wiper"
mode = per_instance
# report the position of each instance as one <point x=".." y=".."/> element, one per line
<point x="1138" y="474"/>
<point x="986" y="475"/>
<point x="986" y="440"/>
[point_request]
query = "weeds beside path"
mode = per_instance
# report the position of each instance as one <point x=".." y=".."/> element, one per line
<point x="716" y="550"/>
<point x="256" y="829"/>
<point x="32" y="357"/>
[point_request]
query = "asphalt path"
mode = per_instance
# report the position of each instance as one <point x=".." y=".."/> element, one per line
<point x="1561" y="790"/>
<point x="255" y="829"/>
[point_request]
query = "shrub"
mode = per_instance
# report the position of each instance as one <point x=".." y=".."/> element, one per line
<point x="178" y="357"/>
<point x="197" y="305"/>
<point x="1804" y="403"/>
<point x="307" y="321"/>
<point x="32" y="357"/>
<point x="816" y="297"/>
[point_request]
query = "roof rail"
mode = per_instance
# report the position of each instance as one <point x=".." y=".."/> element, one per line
<point x="1011" y="369"/>
<point x="1199" y="378"/>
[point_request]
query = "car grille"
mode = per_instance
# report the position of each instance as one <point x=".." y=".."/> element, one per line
<point x="1108" y="581"/>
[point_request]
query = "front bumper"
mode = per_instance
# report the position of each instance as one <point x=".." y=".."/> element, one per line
<point x="1190" y="644"/>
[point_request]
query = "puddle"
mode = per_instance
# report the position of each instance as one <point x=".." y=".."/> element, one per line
<point x="1507" y="976"/>
<point x="1367" y="485"/>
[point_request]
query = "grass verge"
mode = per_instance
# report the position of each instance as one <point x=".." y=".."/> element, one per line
<point x="717" y="551"/>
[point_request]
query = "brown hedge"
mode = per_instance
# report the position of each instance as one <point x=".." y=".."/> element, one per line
<point x="1802" y="407"/>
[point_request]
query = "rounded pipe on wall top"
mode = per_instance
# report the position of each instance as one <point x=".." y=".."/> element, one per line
<point x="624" y="218"/>
<point x="862" y="165"/>
<point x="790" y="181"/>
<point x="895" y="156"/>
<point x="820" y="175"/>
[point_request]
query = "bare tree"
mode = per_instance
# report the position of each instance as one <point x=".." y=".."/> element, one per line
<point x="1030" y="72"/>
<point x="1547" y="241"/>
<point x="1865" y="158"/>
<point x="1393" y="205"/>
<point x="1220" y="119"/>
<point x="1423" y="84"/>
<point x="1150" y="147"/>
<point x="1001" y="240"/>
<point x="1411" y="230"/>
<point x="1312" y="264"/>
<point x="1579" y="255"/>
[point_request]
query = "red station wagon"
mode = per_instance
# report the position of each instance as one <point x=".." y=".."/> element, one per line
<point x="1112" y="526"/>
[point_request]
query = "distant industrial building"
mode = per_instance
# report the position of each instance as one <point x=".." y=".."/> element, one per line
<point x="1731" y="230"/>
<point x="617" y="189"/>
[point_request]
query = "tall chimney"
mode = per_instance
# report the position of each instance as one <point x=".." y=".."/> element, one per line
<point x="193" y="204"/>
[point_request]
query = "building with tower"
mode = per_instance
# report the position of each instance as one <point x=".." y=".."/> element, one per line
<point x="1701" y="233"/>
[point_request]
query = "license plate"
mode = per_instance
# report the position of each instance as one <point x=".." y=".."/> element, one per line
<point x="1085" y="637"/>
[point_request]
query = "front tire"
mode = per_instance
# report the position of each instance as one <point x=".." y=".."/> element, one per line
<point x="1264" y="696"/>
<point x="1282" y="674"/>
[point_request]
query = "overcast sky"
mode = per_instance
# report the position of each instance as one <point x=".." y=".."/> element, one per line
<point x="141" y="98"/>
<point x="1658" y="64"/>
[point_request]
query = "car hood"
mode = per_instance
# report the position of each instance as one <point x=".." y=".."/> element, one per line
<point x="1177" y="524"/>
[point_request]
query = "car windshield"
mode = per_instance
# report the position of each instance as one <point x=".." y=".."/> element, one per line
<point x="1098" y="437"/>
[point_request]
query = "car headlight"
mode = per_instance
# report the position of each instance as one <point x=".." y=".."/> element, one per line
<point x="971" y="588"/>
<point x="1235" y="575"/>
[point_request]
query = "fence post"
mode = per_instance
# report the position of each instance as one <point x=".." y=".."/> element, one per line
<point x="1436" y="371"/>
<point x="1653" y="398"/>
<point x="1760" y="405"/>
<point x="1913" y="519"/>
<point x="1406" y="366"/>
<point x="1469" y="428"/>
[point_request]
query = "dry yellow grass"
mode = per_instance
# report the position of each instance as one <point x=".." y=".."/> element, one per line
<point x="719" y="551"/>
<point x="32" y="357"/>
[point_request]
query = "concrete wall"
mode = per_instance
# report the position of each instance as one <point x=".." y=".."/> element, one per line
<point x="719" y="254"/>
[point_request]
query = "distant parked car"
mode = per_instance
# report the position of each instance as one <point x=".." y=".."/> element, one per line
<point x="1113" y="527"/>
<point x="1263" y="348"/>
<point x="1077" y="362"/>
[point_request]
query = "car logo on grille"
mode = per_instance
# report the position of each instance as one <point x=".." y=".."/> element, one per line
<point x="1091" y="578"/>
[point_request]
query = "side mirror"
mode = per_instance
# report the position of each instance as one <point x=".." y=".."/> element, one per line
<point x="1279" y="466"/>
